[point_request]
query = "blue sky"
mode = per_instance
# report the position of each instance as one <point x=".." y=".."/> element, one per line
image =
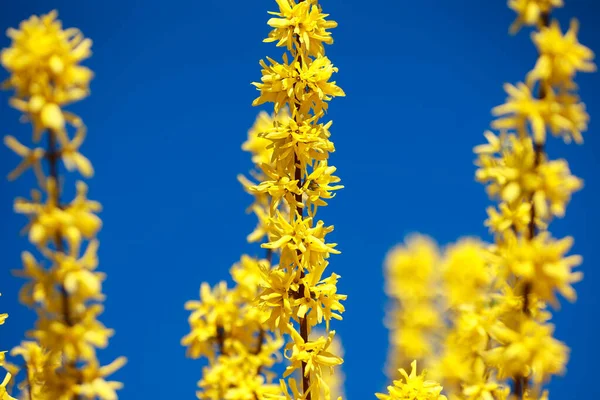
<point x="171" y="105"/>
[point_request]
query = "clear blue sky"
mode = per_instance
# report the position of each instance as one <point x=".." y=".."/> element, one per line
<point x="171" y="105"/>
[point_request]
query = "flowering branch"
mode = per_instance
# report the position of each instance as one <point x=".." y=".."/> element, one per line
<point x="43" y="62"/>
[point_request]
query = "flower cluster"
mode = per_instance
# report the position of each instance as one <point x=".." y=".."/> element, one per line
<point x="228" y="330"/>
<point x="531" y="266"/>
<point x="60" y="361"/>
<point x="296" y="294"/>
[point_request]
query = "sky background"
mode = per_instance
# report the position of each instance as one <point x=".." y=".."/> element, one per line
<point x="171" y="106"/>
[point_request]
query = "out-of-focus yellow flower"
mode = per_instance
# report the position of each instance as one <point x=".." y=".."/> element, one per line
<point x="561" y="56"/>
<point x="410" y="268"/>
<point x="43" y="59"/>
<point x="78" y="220"/>
<point x="531" y="351"/>
<point x="522" y="109"/>
<point x="541" y="262"/>
<point x="516" y="178"/>
<point x="465" y="271"/>
<point x="3" y="393"/>
<point x="529" y="12"/>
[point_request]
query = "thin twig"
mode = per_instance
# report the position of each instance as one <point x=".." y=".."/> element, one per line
<point x="521" y="382"/>
<point x="53" y="159"/>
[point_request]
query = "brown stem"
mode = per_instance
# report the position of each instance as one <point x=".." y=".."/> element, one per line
<point x="521" y="382"/>
<point x="29" y="394"/>
<point x="221" y="339"/>
<point x="53" y="160"/>
<point x="519" y="386"/>
<point x="299" y="209"/>
<point x="303" y="320"/>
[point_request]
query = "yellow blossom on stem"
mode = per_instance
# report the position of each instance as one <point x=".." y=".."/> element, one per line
<point x="300" y="25"/>
<point x="44" y="68"/>
<point x="226" y="328"/>
<point x="531" y="12"/>
<point x="561" y="56"/>
<point x="530" y="351"/>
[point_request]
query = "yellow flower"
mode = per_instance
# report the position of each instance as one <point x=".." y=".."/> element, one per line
<point x="256" y="143"/>
<point x="522" y="108"/>
<point x="305" y="139"/>
<point x="320" y="297"/>
<point x="413" y="387"/>
<point x="215" y="310"/>
<point x="333" y="379"/>
<point x="95" y="385"/>
<point x="247" y="275"/>
<point x="509" y="217"/>
<point x="515" y="178"/>
<point x="44" y="59"/>
<point x="529" y="351"/>
<point x="77" y="275"/>
<point x="529" y="12"/>
<point x="77" y="341"/>
<point x="300" y="25"/>
<point x="560" y="56"/>
<point x="542" y="263"/>
<point x="300" y="243"/>
<point x="465" y="272"/>
<point x="40" y="287"/>
<point x="318" y="186"/>
<point x="31" y="158"/>
<point x="410" y="268"/>
<point x="75" y="221"/>
<point x="275" y="298"/>
<point x="301" y="84"/>
<point x="314" y="353"/>
<point x="3" y="394"/>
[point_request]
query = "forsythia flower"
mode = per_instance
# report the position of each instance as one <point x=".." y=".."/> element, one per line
<point x="305" y="87"/>
<point x="515" y="176"/>
<point x="530" y="351"/>
<point x="302" y="25"/>
<point x="567" y="119"/>
<point x="413" y="387"/>
<point x="43" y="63"/>
<point x="541" y="262"/>
<point x="560" y="56"/>
<point x="413" y="318"/>
<point x="530" y="12"/>
<point x="262" y="156"/>
<point x="228" y="330"/>
<point x="61" y="364"/>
